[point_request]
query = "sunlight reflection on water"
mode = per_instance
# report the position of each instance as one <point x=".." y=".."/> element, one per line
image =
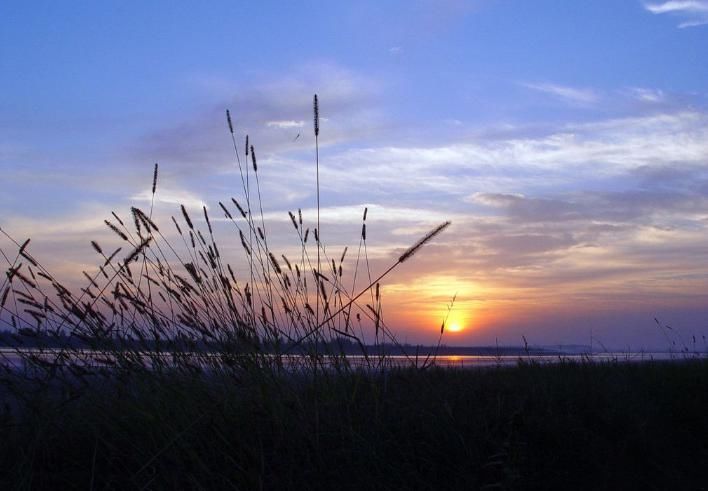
<point x="10" y="357"/>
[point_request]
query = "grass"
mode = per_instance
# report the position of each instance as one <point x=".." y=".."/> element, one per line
<point x="157" y="292"/>
<point x="171" y="368"/>
<point x="579" y="426"/>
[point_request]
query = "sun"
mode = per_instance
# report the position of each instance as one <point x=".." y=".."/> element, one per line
<point x="454" y="326"/>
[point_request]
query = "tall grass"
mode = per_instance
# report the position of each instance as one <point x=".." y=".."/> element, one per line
<point x="170" y="327"/>
<point x="164" y="301"/>
<point x="177" y="367"/>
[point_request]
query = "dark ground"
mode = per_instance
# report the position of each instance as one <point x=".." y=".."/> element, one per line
<point x="564" y="426"/>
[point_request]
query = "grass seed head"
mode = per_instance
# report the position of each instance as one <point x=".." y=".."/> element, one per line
<point x="154" y="179"/>
<point x="228" y="120"/>
<point x="316" y="114"/>
<point x="422" y="241"/>
<point x="186" y="217"/>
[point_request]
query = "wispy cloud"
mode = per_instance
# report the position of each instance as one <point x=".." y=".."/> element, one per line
<point x="589" y="151"/>
<point x="352" y="214"/>
<point x="694" y="11"/>
<point x="171" y="196"/>
<point x="265" y="110"/>
<point x="688" y="6"/>
<point x="648" y="95"/>
<point x="572" y="95"/>
<point x="284" y="125"/>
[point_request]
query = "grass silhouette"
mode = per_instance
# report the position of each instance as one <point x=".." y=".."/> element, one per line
<point x="176" y="367"/>
<point x="172" y="302"/>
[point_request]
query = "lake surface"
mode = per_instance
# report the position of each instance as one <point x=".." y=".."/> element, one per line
<point x="89" y="358"/>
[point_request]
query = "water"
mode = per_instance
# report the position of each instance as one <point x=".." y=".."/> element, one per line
<point x="89" y="358"/>
<point x="474" y="361"/>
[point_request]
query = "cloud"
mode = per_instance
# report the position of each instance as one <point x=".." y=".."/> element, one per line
<point x="565" y="156"/>
<point x="695" y="12"/>
<point x="266" y="109"/>
<point x="170" y="196"/>
<point x="283" y="125"/>
<point x="689" y="6"/>
<point x="654" y="206"/>
<point x="571" y="95"/>
<point x="648" y="95"/>
<point x="352" y="214"/>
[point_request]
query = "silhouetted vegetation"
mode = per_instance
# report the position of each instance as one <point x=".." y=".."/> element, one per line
<point x="175" y="367"/>
<point x="563" y="426"/>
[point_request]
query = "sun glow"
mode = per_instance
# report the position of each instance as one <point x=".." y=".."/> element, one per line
<point x="426" y="301"/>
<point x="454" y="326"/>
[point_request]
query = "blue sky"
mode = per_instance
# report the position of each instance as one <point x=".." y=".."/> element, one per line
<point x="567" y="141"/>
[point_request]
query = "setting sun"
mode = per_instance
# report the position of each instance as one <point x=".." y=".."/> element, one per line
<point x="454" y="326"/>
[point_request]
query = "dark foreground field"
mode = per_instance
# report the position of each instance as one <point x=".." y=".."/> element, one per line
<point x="566" y="426"/>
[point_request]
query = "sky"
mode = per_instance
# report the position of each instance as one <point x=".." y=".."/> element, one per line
<point x="566" y="141"/>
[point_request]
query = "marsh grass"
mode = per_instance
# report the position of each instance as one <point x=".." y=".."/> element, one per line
<point x="568" y="425"/>
<point x="176" y="367"/>
<point x="171" y="301"/>
<point x="163" y="303"/>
